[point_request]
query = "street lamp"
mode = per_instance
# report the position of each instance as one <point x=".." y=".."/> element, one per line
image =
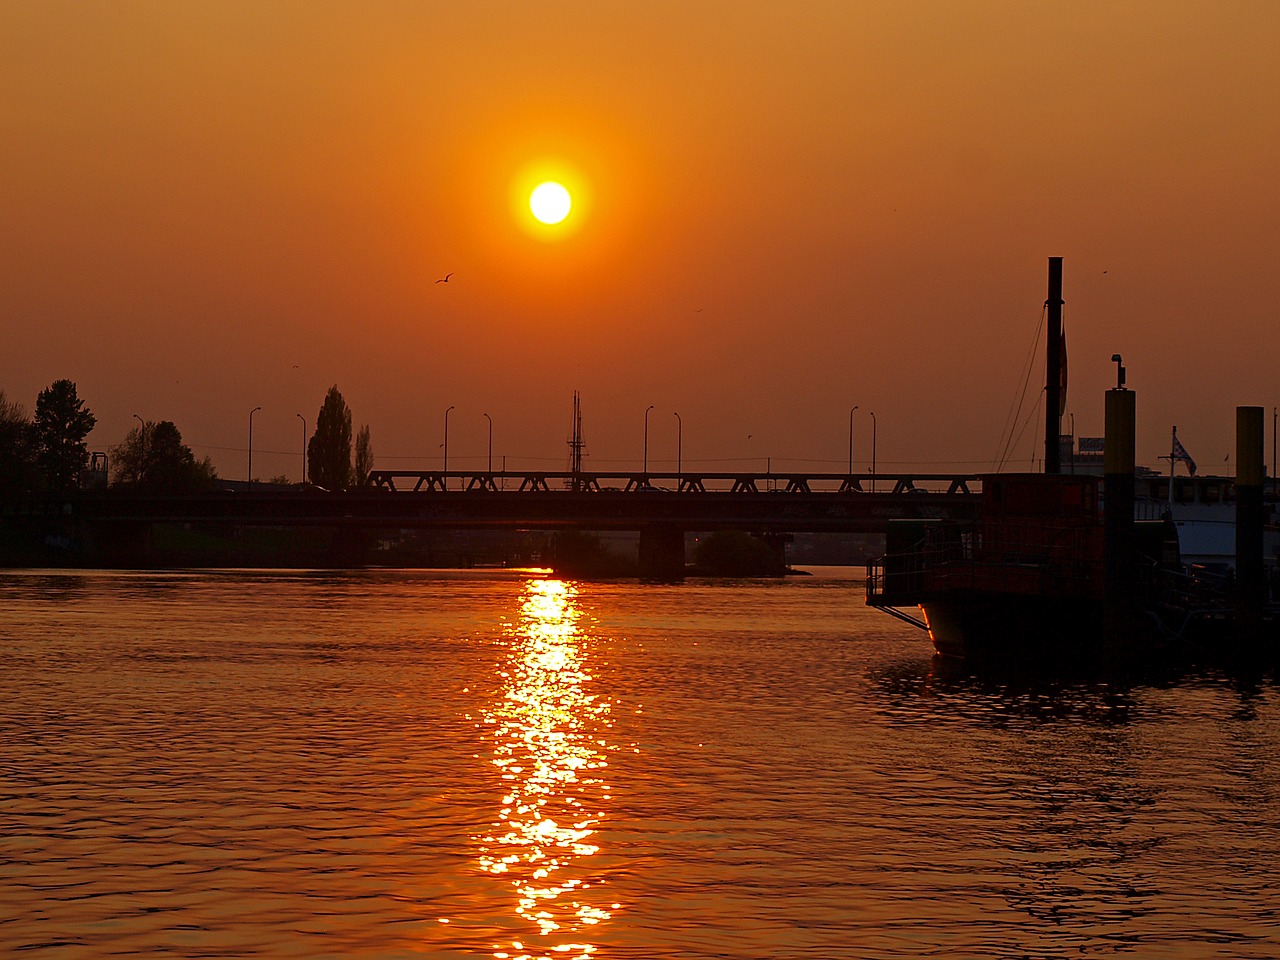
<point x="851" y="409"/>
<point x="490" y="419"/>
<point x="251" y="413"/>
<point x="304" y="445"/>
<point x="645" y="469"/>
<point x="679" y="447"/>
<point x="142" y="454"/>
<point x="446" y="443"/>
<point x="873" y="451"/>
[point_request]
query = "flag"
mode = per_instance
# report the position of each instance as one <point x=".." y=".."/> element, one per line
<point x="1180" y="453"/>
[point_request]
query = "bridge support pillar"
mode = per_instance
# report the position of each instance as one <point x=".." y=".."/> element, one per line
<point x="349" y="547"/>
<point x="661" y="552"/>
<point x="777" y="544"/>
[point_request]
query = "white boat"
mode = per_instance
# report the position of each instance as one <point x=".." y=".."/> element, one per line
<point x="1203" y="509"/>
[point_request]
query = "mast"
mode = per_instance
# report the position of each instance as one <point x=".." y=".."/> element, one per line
<point x="576" y="444"/>
<point x="1053" y="371"/>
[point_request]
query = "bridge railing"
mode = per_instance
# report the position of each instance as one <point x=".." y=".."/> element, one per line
<point x="737" y="482"/>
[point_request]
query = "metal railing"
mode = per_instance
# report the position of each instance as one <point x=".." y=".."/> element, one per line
<point x="1057" y="560"/>
<point x="441" y="481"/>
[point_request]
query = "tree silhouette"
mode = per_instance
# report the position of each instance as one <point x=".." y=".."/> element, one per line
<point x="155" y="457"/>
<point x="364" y="456"/>
<point x="17" y="455"/>
<point x="732" y="553"/>
<point x="61" y="424"/>
<point x="329" y="449"/>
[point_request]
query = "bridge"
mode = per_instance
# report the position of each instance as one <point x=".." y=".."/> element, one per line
<point x="662" y="507"/>
<point x="683" y="482"/>
<point x="757" y="502"/>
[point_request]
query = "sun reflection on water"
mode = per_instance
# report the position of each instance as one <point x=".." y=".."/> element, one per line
<point x="549" y="736"/>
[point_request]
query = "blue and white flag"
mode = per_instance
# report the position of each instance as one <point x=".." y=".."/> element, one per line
<point x="1180" y="453"/>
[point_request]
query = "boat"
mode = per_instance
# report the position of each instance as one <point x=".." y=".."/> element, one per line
<point x="1203" y="509"/>
<point x="1046" y="572"/>
<point x="1028" y="578"/>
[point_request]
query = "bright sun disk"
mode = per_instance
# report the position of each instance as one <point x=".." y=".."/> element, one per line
<point x="549" y="202"/>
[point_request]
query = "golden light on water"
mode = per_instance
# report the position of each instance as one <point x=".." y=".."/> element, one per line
<point x="549" y="736"/>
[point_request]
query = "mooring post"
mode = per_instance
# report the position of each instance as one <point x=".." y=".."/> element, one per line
<point x="1250" y="517"/>
<point x="1118" y="464"/>
<point x="661" y="552"/>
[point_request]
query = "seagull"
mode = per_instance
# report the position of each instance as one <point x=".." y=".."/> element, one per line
<point x="445" y="278"/>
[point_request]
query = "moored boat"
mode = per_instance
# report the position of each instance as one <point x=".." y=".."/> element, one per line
<point x="1027" y="579"/>
<point x="1057" y="566"/>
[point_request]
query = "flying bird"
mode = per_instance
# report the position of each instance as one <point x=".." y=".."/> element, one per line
<point x="445" y="278"/>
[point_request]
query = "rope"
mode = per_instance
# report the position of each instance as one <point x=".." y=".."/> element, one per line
<point x="1007" y="440"/>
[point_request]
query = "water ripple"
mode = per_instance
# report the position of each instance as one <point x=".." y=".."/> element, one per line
<point x="395" y="764"/>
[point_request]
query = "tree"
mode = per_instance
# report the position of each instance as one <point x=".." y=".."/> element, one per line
<point x="329" y="449"/>
<point x="154" y="456"/>
<point x="62" y="423"/>
<point x="17" y="455"/>
<point x="732" y="553"/>
<point x="364" y="456"/>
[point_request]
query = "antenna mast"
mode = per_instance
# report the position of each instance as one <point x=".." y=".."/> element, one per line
<point x="1053" y="371"/>
<point x="576" y="444"/>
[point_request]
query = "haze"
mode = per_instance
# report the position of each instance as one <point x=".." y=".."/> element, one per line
<point x="785" y="210"/>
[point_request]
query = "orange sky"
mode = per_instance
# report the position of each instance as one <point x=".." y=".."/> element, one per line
<point x="781" y="210"/>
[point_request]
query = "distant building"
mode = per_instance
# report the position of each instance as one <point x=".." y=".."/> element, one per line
<point x="1081" y="455"/>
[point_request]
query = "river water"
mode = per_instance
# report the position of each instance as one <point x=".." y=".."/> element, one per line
<point x="448" y="765"/>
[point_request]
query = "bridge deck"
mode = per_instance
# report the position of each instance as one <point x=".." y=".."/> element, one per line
<point x="786" y="503"/>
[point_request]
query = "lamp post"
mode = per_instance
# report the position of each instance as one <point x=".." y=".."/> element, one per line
<point x="679" y="448"/>
<point x="851" y="409"/>
<point x="251" y="413"/>
<point x="445" y="480"/>
<point x="873" y="451"/>
<point x="142" y="453"/>
<point x="304" y="445"/>
<point x="645" y="468"/>
<point x="490" y="419"/>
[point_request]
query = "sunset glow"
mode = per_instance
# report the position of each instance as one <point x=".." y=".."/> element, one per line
<point x="829" y="201"/>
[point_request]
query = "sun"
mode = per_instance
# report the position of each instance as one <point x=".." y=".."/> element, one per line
<point x="551" y="199"/>
<point x="550" y="202"/>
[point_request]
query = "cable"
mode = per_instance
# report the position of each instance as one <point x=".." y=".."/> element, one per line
<point x="1006" y="434"/>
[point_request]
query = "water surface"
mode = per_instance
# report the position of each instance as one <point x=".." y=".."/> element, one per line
<point x="409" y="764"/>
